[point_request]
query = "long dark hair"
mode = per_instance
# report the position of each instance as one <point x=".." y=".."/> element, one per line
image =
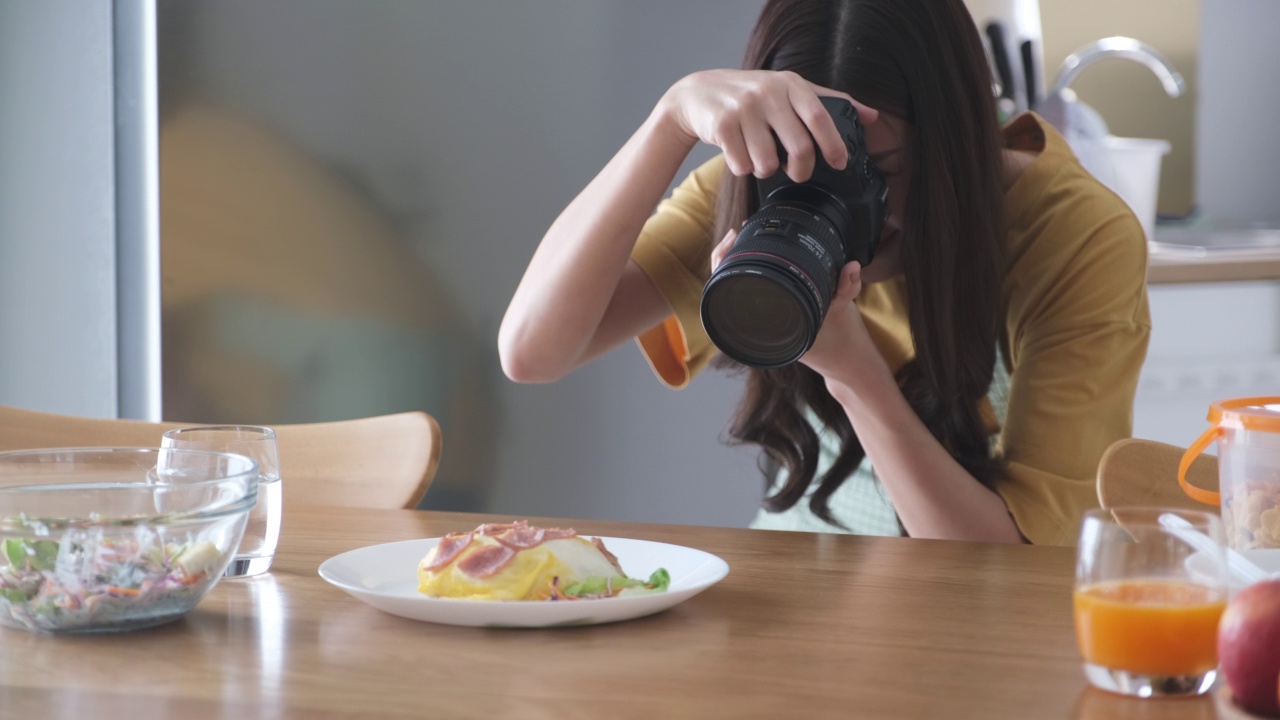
<point x="922" y="61"/>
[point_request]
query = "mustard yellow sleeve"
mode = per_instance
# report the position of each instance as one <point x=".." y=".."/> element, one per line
<point x="1076" y="339"/>
<point x="674" y="250"/>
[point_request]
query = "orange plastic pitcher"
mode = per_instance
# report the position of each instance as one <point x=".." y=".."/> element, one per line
<point x="1247" y="431"/>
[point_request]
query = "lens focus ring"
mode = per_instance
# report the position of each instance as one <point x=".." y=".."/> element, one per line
<point x="806" y="245"/>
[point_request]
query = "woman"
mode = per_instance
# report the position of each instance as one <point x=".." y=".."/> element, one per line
<point x="966" y="382"/>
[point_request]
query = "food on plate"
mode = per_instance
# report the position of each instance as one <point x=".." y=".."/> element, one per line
<point x="88" y="580"/>
<point x="517" y="561"/>
<point x="1249" y="648"/>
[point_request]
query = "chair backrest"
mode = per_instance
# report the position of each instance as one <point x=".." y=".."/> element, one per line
<point x="386" y="461"/>
<point x="1136" y="472"/>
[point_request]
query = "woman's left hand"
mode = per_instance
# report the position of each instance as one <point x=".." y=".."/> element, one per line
<point x="843" y="352"/>
<point x="722" y="248"/>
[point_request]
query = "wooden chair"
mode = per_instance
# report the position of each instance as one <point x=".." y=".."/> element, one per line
<point x="386" y="461"/>
<point x="1137" y="472"/>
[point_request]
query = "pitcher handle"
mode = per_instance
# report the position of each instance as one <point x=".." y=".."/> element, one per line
<point x="1208" y="497"/>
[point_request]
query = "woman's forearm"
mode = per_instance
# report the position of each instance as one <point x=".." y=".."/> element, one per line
<point x="934" y="496"/>
<point x="575" y="272"/>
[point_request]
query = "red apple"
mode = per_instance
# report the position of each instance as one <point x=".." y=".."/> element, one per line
<point x="1249" y="648"/>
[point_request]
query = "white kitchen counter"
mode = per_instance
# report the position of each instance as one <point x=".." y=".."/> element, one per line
<point x="1224" y="267"/>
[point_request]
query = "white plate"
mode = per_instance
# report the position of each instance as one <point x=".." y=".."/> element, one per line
<point x="385" y="576"/>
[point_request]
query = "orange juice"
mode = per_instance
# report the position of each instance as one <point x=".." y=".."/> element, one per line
<point x="1149" y="627"/>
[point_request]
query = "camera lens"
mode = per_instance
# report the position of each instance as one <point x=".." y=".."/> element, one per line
<point x="759" y="320"/>
<point x="766" y="301"/>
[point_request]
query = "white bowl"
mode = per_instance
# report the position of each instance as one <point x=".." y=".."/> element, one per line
<point x="1200" y="566"/>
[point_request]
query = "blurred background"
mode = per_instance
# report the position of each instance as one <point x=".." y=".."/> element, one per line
<point x="349" y="193"/>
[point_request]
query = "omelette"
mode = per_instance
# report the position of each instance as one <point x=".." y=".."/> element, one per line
<point x="517" y="561"/>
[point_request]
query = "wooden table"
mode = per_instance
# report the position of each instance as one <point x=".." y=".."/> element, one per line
<point x="805" y="626"/>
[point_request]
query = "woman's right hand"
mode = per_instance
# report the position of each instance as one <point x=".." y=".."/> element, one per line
<point x="736" y="109"/>
<point x="581" y="294"/>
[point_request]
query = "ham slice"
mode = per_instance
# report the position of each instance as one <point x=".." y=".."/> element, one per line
<point x="613" y="559"/>
<point x="559" y="534"/>
<point x="499" y="528"/>
<point x="448" y="549"/>
<point x="511" y="538"/>
<point x="485" y="561"/>
<point x="521" y="537"/>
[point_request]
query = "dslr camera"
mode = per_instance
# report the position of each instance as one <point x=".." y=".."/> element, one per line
<point x="764" y="304"/>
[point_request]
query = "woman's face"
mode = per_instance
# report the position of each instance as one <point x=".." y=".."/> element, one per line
<point x="886" y="144"/>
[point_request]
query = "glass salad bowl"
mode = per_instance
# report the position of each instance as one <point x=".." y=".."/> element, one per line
<point x="113" y="539"/>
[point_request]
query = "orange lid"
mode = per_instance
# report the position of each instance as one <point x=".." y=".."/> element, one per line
<point x="1254" y="413"/>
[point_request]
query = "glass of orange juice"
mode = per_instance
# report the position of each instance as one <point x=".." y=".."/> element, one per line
<point x="1147" y="602"/>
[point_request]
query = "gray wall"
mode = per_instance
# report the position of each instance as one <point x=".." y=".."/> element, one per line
<point x="473" y="124"/>
<point x="57" y="208"/>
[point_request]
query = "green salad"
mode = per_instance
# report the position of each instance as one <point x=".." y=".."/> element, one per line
<point x="88" y="581"/>
<point x="617" y="586"/>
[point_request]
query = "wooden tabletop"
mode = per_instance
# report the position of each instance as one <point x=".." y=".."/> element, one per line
<point x="804" y="626"/>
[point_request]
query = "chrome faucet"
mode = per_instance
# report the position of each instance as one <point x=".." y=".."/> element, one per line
<point x="1076" y="120"/>
<point x="1122" y="47"/>
<point x="1087" y="134"/>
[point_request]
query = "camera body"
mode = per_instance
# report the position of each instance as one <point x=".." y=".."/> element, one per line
<point x="764" y="304"/>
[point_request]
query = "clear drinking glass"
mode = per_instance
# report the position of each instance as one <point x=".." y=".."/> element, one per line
<point x="262" y="533"/>
<point x="1148" y="597"/>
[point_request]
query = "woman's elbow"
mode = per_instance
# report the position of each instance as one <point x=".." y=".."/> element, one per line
<point x="517" y="368"/>
<point x="520" y="361"/>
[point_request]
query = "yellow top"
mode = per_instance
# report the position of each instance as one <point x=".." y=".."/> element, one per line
<point x="1076" y="321"/>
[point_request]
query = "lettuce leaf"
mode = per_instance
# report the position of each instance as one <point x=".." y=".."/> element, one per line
<point x="15" y="551"/>
<point x="658" y="582"/>
<point x="15" y="595"/>
<point x="31" y="555"/>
